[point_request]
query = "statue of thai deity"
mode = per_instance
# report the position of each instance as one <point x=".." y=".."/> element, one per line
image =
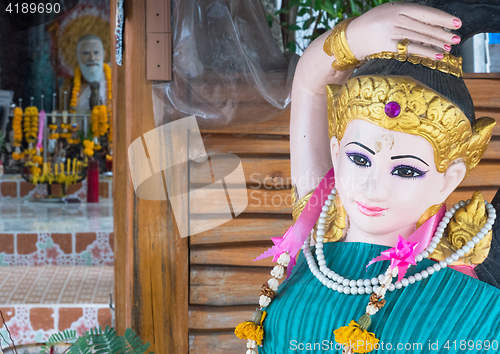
<point x="375" y="153"/>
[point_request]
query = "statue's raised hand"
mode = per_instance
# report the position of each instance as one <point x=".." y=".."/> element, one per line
<point x="381" y="28"/>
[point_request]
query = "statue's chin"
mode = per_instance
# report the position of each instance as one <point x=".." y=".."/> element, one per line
<point x="91" y="74"/>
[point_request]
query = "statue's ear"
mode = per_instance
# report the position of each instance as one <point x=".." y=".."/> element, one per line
<point x="453" y="176"/>
<point x="332" y="91"/>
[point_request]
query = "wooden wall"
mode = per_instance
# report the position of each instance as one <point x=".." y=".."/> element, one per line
<point x="224" y="282"/>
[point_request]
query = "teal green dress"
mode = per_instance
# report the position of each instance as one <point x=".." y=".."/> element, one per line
<point x="449" y="312"/>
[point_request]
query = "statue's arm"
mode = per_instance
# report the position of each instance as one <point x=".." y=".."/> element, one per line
<point x="309" y="142"/>
<point x="380" y="29"/>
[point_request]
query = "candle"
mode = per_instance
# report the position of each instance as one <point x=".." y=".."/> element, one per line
<point x="55" y="169"/>
<point x="69" y="166"/>
<point x="74" y="165"/>
<point x="62" y="168"/>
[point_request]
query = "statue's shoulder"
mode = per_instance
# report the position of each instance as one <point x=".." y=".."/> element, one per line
<point x="470" y="222"/>
<point x="489" y="270"/>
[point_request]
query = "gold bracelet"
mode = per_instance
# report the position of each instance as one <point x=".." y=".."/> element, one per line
<point x="336" y="45"/>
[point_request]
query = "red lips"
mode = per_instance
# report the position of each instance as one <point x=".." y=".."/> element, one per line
<point x="370" y="210"/>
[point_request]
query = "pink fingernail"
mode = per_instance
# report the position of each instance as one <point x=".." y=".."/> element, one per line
<point x="455" y="39"/>
<point x="439" y="56"/>
<point x="457" y="23"/>
<point x="447" y="47"/>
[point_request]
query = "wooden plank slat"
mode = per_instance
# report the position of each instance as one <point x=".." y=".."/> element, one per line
<point x="484" y="92"/>
<point x="493" y="151"/>
<point x="485" y="174"/>
<point x="244" y="229"/>
<point x="211" y="343"/>
<point x="226" y="286"/>
<point x="218" y="317"/>
<point x="246" y="144"/>
<point x="277" y="201"/>
<point x="276" y="126"/>
<point x="237" y="255"/>
<point x="264" y="172"/>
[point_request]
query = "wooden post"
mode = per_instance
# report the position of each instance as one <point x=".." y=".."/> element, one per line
<point x="151" y="260"/>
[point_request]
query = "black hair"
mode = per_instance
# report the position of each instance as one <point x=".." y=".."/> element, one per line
<point x="449" y="86"/>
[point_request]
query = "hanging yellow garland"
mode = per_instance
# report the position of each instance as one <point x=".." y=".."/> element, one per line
<point x="107" y="72"/>
<point x="53" y="134"/>
<point x="252" y="329"/>
<point x="100" y="117"/>
<point x="77" y="83"/>
<point x="88" y="147"/>
<point x="31" y="124"/>
<point x="356" y="336"/>
<point x="18" y="155"/>
<point x="16" y="126"/>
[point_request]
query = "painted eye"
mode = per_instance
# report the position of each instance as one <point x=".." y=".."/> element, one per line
<point x="360" y="160"/>
<point x="407" y="172"/>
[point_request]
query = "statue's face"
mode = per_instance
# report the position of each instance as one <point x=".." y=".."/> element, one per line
<point x="386" y="179"/>
<point x="90" y="58"/>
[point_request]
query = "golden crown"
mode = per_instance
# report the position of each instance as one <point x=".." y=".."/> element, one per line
<point x="403" y="104"/>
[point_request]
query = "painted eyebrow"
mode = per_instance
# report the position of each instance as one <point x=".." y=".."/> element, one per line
<point x="408" y="157"/>
<point x="363" y="146"/>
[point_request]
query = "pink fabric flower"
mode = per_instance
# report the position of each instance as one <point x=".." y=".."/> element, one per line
<point x="401" y="256"/>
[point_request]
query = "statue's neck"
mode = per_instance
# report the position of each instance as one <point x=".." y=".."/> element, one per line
<point x="355" y="234"/>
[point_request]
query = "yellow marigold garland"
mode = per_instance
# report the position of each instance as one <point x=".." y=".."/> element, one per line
<point x="38" y="159"/>
<point x="252" y="330"/>
<point x="16" y="126"/>
<point x="53" y="134"/>
<point x="88" y="147"/>
<point x="77" y="83"/>
<point x="18" y="155"/>
<point x="31" y="124"/>
<point x="356" y="337"/>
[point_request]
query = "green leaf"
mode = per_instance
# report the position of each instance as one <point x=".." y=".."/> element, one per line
<point x="282" y="11"/>
<point x="302" y="11"/>
<point x="294" y="28"/>
<point x="328" y="8"/>
<point x="317" y="5"/>
<point x="308" y="23"/>
<point x="354" y="8"/>
<point x="269" y="19"/>
<point x="291" y="47"/>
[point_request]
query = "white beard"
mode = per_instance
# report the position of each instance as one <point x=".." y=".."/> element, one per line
<point x="92" y="73"/>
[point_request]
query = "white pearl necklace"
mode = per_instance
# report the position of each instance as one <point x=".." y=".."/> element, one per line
<point x="366" y="286"/>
